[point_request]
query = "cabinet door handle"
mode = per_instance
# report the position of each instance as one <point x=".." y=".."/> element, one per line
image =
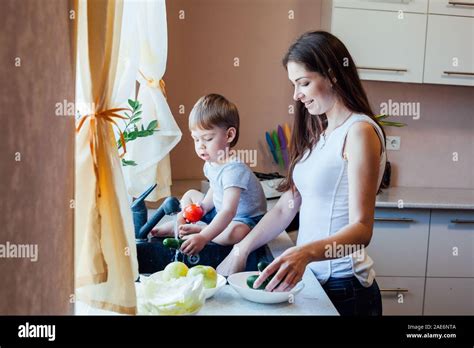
<point x="397" y="290"/>
<point x="462" y="73"/>
<point x="393" y="219"/>
<point x="462" y="221"/>
<point x="460" y="3"/>
<point x="382" y="69"/>
<point x="396" y="1"/>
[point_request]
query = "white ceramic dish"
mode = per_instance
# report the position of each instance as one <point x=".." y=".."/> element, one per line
<point x="238" y="282"/>
<point x="221" y="281"/>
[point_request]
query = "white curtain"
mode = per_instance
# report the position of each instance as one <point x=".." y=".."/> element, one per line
<point x="150" y="153"/>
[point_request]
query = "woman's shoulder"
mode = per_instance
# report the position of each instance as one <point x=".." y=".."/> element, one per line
<point x="361" y="129"/>
<point x="361" y="123"/>
<point x="364" y="130"/>
<point x="361" y="117"/>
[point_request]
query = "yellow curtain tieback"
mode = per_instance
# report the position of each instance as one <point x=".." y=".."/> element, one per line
<point x="155" y="83"/>
<point x="107" y="115"/>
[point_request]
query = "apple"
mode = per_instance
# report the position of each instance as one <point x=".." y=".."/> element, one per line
<point x="174" y="270"/>
<point x="209" y="275"/>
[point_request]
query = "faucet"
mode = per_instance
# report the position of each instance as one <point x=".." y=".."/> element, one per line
<point x="143" y="226"/>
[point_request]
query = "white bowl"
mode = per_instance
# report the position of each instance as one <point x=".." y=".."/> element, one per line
<point x="221" y="281"/>
<point x="238" y="281"/>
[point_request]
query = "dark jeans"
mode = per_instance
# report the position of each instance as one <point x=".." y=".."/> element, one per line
<point x="153" y="256"/>
<point x="351" y="298"/>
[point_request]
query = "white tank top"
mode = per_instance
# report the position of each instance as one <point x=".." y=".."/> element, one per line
<point x="322" y="182"/>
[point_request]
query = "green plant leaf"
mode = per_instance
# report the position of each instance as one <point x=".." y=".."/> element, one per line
<point x="381" y="117"/>
<point x="133" y="135"/>
<point x="128" y="163"/>
<point x="138" y="131"/>
<point x="152" y="125"/>
<point x="392" y="124"/>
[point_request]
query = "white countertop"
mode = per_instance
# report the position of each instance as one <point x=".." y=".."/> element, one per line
<point x="312" y="300"/>
<point x="428" y="198"/>
<point x="421" y="198"/>
<point x="412" y="197"/>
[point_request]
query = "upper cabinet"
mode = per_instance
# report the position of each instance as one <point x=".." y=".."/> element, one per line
<point x="453" y="8"/>
<point x="414" y="6"/>
<point x="384" y="47"/>
<point x="449" y="55"/>
<point x="408" y="40"/>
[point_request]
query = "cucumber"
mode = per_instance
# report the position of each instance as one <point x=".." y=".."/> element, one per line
<point x="251" y="279"/>
<point x="172" y="243"/>
<point x="262" y="265"/>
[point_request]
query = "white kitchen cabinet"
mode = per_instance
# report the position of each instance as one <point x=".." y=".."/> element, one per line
<point x="384" y="46"/>
<point x="414" y="6"/>
<point x="451" y="244"/>
<point x="413" y="246"/>
<point x="402" y="295"/>
<point x="449" y="296"/>
<point x="452" y="7"/>
<point x="408" y="41"/>
<point x="399" y="242"/>
<point x="450" y="50"/>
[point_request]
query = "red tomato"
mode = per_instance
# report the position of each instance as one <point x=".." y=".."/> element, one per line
<point x="193" y="213"/>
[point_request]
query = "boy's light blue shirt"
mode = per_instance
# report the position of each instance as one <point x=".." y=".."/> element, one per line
<point x="234" y="173"/>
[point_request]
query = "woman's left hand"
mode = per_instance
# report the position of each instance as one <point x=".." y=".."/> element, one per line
<point x="289" y="268"/>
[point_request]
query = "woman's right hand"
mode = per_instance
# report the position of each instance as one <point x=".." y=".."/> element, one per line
<point x="233" y="263"/>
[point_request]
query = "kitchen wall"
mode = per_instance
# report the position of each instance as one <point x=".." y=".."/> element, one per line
<point x="437" y="150"/>
<point x="206" y="36"/>
<point x="37" y="159"/>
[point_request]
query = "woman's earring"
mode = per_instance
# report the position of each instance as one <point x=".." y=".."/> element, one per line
<point x="331" y="75"/>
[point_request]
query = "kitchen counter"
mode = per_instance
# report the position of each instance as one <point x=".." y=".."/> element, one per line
<point x="312" y="300"/>
<point x="429" y="198"/>
<point x="420" y="197"/>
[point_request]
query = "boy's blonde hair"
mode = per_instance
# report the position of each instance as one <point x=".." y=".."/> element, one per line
<point x="214" y="110"/>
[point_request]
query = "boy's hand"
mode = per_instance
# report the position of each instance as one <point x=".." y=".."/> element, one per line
<point x="180" y="219"/>
<point x="193" y="244"/>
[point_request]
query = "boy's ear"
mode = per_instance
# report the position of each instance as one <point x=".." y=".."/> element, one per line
<point x="231" y="132"/>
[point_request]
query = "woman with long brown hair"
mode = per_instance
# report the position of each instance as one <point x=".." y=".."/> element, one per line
<point x="337" y="163"/>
